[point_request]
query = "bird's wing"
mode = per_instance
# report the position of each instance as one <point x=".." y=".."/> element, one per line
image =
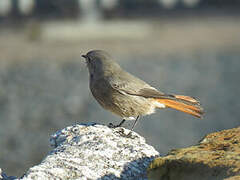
<point x="126" y="83"/>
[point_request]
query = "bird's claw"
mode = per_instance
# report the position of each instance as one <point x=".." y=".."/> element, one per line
<point x="111" y="125"/>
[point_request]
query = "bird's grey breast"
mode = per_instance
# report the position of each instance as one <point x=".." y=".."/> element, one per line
<point x="102" y="91"/>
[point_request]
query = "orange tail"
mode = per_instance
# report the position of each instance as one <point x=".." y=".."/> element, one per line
<point x="185" y="104"/>
<point x="187" y="98"/>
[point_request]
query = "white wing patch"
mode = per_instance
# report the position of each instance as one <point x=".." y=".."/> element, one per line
<point x="129" y="118"/>
<point x="159" y="105"/>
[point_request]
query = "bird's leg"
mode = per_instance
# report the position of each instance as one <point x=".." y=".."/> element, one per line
<point x="115" y="126"/>
<point x="135" y="122"/>
<point x="130" y="133"/>
<point x="121" y="123"/>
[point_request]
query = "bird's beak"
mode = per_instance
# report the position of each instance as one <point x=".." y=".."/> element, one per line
<point x="84" y="56"/>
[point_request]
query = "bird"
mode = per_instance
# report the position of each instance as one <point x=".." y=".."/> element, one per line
<point x="128" y="96"/>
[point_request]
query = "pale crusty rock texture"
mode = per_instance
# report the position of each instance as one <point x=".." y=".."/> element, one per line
<point x="216" y="157"/>
<point x="93" y="151"/>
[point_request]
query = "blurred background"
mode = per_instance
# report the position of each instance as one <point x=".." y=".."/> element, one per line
<point x="189" y="47"/>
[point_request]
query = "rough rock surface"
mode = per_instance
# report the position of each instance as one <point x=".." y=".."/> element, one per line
<point x="92" y="151"/>
<point x="216" y="157"/>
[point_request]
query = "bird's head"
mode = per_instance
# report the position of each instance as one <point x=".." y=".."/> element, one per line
<point x="99" y="62"/>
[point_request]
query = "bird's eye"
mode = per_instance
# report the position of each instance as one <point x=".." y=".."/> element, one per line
<point x="86" y="58"/>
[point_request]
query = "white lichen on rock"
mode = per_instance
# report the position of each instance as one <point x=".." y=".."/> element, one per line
<point x="93" y="151"/>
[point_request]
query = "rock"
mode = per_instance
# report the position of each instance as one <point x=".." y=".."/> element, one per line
<point x="93" y="151"/>
<point x="216" y="157"/>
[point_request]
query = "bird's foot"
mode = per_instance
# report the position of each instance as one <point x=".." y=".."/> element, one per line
<point x="122" y="131"/>
<point x="111" y="125"/>
<point x="127" y="135"/>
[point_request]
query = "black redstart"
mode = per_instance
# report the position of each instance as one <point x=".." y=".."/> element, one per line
<point x="128" y="96"/>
